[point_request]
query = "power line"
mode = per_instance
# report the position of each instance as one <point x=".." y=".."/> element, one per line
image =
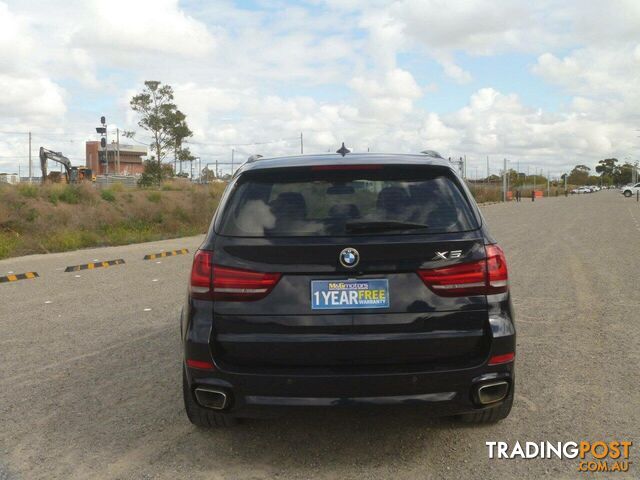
<point x="244" y="144"/>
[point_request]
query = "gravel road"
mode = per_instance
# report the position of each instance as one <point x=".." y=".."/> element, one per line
<point x="90" y="367"/>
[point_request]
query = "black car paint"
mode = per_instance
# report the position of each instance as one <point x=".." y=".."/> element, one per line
<point x="426" y="349"/>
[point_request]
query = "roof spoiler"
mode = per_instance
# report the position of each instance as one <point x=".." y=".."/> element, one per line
<point x="431" y="153"/>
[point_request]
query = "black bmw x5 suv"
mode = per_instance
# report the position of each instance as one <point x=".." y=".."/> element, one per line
<point x="359" y="280"/>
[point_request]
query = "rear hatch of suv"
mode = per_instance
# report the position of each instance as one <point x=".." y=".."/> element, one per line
<point x="345" y="267"/>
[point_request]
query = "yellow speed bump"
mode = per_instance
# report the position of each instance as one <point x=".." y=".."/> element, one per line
<point x="19" y="276"/>
<point x="91" y="266"/>
<point x="170" y="253"/>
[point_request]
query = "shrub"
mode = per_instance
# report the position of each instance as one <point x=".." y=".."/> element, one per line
<point x="154" y="197"/>
<point x="70" y="194"/>
<point x="27" y="190"/>
<point x="107" y="195"/>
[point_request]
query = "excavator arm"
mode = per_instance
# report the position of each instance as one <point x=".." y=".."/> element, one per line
<point x="46" y="154"/>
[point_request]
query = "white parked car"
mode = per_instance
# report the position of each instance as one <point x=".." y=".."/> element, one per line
<point x="630" y="190"/>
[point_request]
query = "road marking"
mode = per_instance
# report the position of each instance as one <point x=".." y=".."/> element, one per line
<point x="147" y="309"/>
<point x="170" y="253"/>
<point x="14" y="277"/>
<point x="91" y="266"/>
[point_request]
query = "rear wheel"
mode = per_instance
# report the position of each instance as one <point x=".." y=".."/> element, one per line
<point x="490" y="415"/>
<point x="627" y="193"/>
<point x="200" y="416"/>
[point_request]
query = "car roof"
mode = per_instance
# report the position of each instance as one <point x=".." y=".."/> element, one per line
<point x="336" y="159"/>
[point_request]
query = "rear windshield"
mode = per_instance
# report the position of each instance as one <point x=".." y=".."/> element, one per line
<point x="325" y="202"/>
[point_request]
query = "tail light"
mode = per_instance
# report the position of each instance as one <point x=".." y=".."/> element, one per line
<point x="484" y="277"/>
<point x="213" y="282"/>
<point x="231" y="284"/>
<point x="501" y="359"/>
<point x="201" y="275"/>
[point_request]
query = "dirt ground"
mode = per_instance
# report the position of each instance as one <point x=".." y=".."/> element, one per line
<point x="90" y="367"/>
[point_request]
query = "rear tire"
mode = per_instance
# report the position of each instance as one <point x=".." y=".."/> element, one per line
<point x="490" y="415"/>
<point x="627" y="193"/>
<point x="200" y="416"/>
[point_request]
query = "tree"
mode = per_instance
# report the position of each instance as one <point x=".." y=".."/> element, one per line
<point x="184" y="155"/>
<point x="607" y="166"/>
<point x="579" y="175"/>
<point x="207" y="175"/>
<point x="179" y="132"/>
<point x="159" y="116"/>
<point x="154" y="173"/>
<point x="625" y="174"/>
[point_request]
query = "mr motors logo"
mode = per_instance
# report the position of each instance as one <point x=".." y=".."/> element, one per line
<point x="593" y="456"/>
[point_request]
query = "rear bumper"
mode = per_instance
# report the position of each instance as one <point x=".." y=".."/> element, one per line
<point x="444" y="392"/>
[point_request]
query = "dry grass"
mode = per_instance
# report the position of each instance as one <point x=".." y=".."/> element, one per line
<point x="58" y="217"/>
<point x="53" y="218"/>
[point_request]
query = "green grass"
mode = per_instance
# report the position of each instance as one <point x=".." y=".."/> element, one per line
<point x="154" y="197"/>
<point x="107" y="195"/>
<point x="8" y="243"/>
<point x="28" y="190"/>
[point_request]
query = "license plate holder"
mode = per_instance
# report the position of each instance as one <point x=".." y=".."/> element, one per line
<point x="350" y="294"/>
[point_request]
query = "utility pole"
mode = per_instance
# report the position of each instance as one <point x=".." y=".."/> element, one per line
<point x="504" y="181"/>
<point x="488" y="173"/>
<point x="118" y="147"/>
<point x="216" y="168"/>
<point x="102" y="130"/>
<point x="233" y="151"/>
<point x="30" y="168"/>
<point x="465" y="167"/>
<point x="301" y="144"/>
<point x="548" y="185"/>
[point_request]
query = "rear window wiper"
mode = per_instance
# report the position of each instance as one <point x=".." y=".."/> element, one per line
<point x="382" y="226"/>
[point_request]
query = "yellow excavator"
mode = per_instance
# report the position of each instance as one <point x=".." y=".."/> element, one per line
<point x="72" y="174"/>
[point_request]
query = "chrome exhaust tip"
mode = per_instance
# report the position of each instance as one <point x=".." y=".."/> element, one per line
<point x="492" y="392"/>
<point x="209" y="398"/>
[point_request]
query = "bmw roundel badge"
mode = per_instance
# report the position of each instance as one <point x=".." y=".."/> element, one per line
<point x="349" y="257"/>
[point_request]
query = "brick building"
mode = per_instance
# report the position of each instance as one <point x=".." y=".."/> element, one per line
<point x="131" y="162"/>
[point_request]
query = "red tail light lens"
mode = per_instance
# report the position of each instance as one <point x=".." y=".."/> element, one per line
<point x="199" y="364"/>
<point x="213" y="282"/>
<point x="230" y="284"/>
<point x="484" y="277"/>
<point x="457" y="280"/>
<point x="498" y="281"/>
<point x="500" y="359"/>
<point x="201" y="271"/>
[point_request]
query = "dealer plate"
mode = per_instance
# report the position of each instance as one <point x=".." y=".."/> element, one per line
<point x="349" y="294"/>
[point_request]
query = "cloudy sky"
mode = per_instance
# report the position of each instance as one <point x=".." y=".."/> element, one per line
<point x="545" y="84"/>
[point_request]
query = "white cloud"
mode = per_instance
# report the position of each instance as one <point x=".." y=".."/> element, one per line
<point x="36" y="99"/>
<point x="158" y="26"/>
<point x="337" y="71"/>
